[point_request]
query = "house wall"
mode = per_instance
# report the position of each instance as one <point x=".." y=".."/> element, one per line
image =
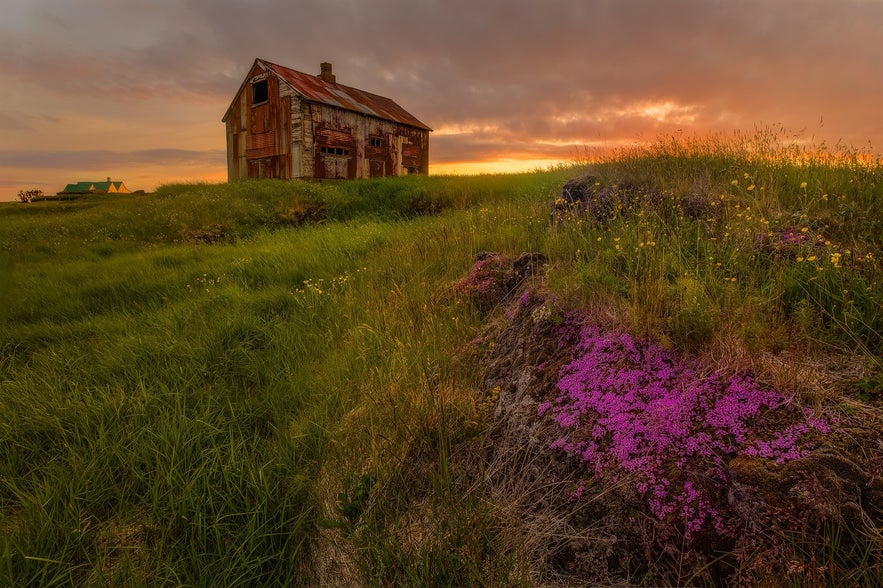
<point x="258" y="144"/>
<point x="342" y="145"/>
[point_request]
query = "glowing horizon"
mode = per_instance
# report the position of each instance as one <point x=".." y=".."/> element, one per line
<point x="142" y="102"/>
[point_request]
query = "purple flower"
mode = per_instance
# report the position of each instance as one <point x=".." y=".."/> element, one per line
<point x="653" y="418"/>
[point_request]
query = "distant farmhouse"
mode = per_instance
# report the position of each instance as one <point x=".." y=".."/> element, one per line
<point x="287" y="124"/>
<point x="108" y="187"/>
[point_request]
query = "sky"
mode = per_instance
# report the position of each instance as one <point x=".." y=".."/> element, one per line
<point x="136" y="89"/>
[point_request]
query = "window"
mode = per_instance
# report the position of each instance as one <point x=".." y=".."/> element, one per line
<point x="375" y="142"/>
<point x="334" y="151"/>
<point x="259" y="93"/>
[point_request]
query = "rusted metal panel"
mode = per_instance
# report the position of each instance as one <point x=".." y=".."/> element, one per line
<point x="268" y="151"/>
<point x="326" y="136"/>
<point x="261" y="140"/>
<point x="345" y="97"/>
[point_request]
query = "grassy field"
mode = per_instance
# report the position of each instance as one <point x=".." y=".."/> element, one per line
<point x="272" y="383"/>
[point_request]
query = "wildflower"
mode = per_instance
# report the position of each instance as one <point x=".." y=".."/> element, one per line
<point x="811" y="258"/>
<point x="733" y="183"/>
<point x="803" y="185"/>
<point x="800" y="259"/>
<point x="630" y="410"/>
<point x="750" y="188"/>
<point x="804" y="229"/>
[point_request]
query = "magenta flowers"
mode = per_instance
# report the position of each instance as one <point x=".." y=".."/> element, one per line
<point x="634" y="412"/>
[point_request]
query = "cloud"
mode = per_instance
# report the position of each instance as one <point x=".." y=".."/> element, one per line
<point x="98" y="159"/>
<point x="523" y="77"/>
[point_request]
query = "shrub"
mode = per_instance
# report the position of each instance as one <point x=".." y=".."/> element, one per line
<point x="28" y="195"/>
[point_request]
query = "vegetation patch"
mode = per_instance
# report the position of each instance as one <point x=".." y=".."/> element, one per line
<point x="282" y="382"/>
<point x="651" y="456"/>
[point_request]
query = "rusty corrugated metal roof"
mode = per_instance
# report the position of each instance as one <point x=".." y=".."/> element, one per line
<point x="315" y="89"/>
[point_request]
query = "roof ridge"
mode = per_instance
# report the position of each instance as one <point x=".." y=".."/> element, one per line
<point x="314" y="89"/>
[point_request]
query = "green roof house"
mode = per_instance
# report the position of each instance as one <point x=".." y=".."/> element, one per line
<point x="108" y="187"/>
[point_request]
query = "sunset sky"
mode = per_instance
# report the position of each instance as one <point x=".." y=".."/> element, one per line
<point x="135" y="89"/>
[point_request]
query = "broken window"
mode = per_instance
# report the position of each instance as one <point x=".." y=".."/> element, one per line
<point x="259" y="92"/>
<point x="334" y="151"/>
<point x="375" y="142"/>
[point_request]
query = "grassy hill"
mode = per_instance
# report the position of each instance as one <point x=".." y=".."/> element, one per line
<point x="291" y="383"/>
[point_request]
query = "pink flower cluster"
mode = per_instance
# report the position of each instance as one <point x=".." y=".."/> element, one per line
<point x="633" y="411"/>
<point x="484" y="275"/>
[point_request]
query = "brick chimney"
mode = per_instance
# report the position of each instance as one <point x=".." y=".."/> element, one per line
<point x="325" y="75"/>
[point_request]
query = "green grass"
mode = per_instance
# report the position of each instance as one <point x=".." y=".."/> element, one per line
<point x="253" y="383"/>
<point x="167" y="405"/>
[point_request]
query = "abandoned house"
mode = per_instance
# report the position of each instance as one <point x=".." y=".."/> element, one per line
<point x="108" y="187"/>
<point x="287" y="124"/>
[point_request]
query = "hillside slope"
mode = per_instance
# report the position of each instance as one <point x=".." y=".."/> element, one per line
<point x="369" y="383"/>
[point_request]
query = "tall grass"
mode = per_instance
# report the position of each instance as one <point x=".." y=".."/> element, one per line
<point x="753" y="235"/>
<point x="167" y="404"/>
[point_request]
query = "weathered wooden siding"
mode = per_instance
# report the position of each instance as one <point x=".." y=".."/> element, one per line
<point x="258" y="135"/>
<point x="237" y="132"/>
<point x="343" y="146"/>
<point x="296" y="122"/>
